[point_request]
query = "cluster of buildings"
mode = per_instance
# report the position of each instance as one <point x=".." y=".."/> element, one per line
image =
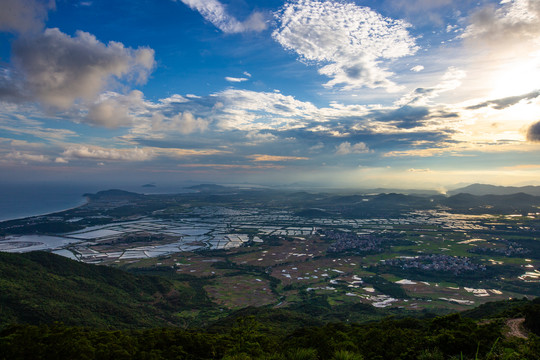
<point x="437" y="262"/>
<point x="347" y="241"/>
<point x="511" y="249"/>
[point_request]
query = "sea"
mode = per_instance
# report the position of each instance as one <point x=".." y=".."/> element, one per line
<point x="24" y="200"/>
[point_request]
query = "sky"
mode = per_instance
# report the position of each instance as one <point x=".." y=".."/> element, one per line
<point x="355" y="94"/>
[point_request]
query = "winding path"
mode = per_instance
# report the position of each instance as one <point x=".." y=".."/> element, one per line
<point x="515" y="328"/>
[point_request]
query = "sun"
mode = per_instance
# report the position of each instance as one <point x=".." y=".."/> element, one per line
<point x="516" y="78"/>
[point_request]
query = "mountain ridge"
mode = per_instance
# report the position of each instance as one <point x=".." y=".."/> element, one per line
<point x="487" y="189"/>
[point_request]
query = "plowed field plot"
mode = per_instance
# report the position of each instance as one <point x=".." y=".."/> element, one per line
<point x="241" y="291"/>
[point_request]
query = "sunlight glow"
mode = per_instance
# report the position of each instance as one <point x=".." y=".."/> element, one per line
<point x="518" y="77"/>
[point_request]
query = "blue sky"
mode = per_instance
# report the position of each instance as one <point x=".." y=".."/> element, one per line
<point x="395" y="93"/>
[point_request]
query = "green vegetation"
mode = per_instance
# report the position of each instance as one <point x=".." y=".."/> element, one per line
<point x="56" y="308"/>
<point x="25" y="226"/>
<point x="250" y="337"/>
<point x="387" y="287"/>
<point x="40" y="287"/>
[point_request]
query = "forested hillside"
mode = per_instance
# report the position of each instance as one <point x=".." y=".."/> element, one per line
<point x="446" y="337"/>
<point x="55" y="308"/>
<point x="39" y="287"/>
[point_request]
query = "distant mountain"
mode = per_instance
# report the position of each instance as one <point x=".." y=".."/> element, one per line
<point x="113" y="194"/>
<point x="419" y="192"/>
<point x="313" y="213"/>
<point x="484" y="189"/>
<point x="493" y="204"/>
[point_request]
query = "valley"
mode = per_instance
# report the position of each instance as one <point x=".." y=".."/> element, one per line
<point x="289" y="250"/>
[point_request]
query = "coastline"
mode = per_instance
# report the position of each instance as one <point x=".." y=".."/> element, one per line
<point x="21" y="201"/>
<point x="31" y="214"/>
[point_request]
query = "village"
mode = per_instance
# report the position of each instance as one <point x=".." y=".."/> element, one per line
<point x="253" y="256"/>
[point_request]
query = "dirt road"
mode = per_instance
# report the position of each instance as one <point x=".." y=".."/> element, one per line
<point x="515" y="328"/>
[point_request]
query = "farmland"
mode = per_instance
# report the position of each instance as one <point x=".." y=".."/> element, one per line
<point x="289" y="250"/>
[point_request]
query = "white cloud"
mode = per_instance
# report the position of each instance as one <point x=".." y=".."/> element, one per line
<point x="247" y="74"/>
<point x="215" y="12"/>
<point x="277" y="158"/>
<point x="514" y="25"/>
<point x="346" y="148"/>
<point x="24" y="16"/>
<point x="235" y="79"/>
<point x="251" y="110"/>
<point x="348" y="42"/>
<point x="100" y="153"/>
<point x="51" y="134"/>
<point x="317" y="147"/>
<point x="231" y="109"/>
<point x="178" y="153"/>
<point x="257" y="137"/>
<point x="184" y="123"/>
<point x="242" y="110"/>
<point x="60" y="160"/>
<point x="417" y="68"/>
<point x="27" y="157"/>
<point x="114" y="110"/>
<point x="57" y="69"/>
<point x="451" y="80"/>
<point x="21" y="143"/>
<point x="450" y="28"/>
<point x="177" y="99"/>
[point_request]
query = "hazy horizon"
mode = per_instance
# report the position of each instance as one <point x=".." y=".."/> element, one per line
<point x="334" y="94"/>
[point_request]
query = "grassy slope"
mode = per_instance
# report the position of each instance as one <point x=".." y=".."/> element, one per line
<point x="40" y="287"/>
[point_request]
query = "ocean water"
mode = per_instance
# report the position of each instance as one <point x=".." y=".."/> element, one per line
<point x="24" y="200"/>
